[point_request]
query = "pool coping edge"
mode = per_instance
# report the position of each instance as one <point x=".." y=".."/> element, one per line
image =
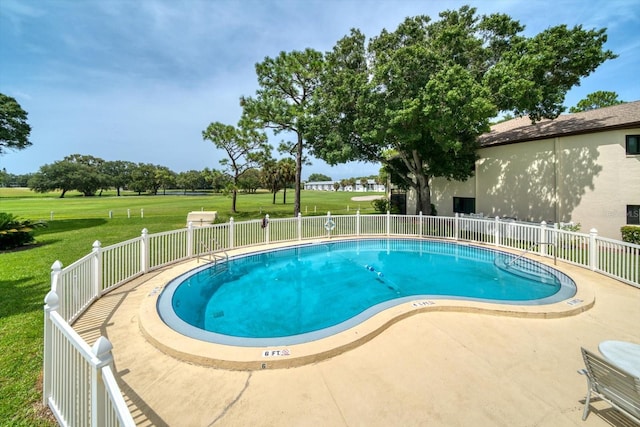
<point x="230" y="357"/>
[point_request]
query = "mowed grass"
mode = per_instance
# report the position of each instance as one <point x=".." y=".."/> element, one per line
<point x="22" y="203"/>
<point x="78" y="222"/>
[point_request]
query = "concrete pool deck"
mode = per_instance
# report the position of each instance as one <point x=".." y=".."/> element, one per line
<point x="435" y="368"/>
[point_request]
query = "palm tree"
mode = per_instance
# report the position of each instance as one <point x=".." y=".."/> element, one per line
<point x="270" y="177"/>
<point x="287" y="171"/>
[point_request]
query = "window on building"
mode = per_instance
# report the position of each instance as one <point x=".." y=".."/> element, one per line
<point x="633" y="144"/>
<point x="464" y="205"/>
<point x="633" y="214"/>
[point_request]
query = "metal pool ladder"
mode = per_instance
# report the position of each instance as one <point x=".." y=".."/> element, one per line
<point x="213" y="256"/>
<point x="530" y="248"/>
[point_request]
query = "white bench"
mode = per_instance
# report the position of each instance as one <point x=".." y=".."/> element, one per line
<point x="612" y="384"/>
<point x="200" y="218"/>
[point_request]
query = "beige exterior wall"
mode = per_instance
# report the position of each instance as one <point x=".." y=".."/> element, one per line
<point x="600" y="202"/>
<point x="587" y="179"/>
<point x="443" y="192"/>
<point x="518" y="181"/>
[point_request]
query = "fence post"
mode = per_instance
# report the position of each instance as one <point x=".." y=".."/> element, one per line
<point x="267" y="229"/>
<point x="593" y="249"/>
<point x="97" y="268"/>
<point x="50" y="304"/>
<point x="496" y="231"/>
<point x="299" y="225"/>
<point x="388" y="223"/>
<point x="542" y="239"/>
<point x="144" y="251"/>
<point x="358" y="222"/>
<point x="102" y="352"/>
<point x="190" y="239"/>
<point x="231" y="230"/>
<point x="456" y="226"/>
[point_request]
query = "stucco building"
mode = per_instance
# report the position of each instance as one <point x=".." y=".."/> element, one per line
<point x="582" y="168"/>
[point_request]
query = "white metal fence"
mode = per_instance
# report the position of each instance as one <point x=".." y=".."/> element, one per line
<point x="79" y="385"/>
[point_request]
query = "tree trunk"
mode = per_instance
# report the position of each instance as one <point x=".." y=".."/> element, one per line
<point x="419" y="181"/>
<point x="274" y="195"/>
<point x="423" y="194"/>
<point x="284" y="196"/>
<point x="234" y="195"/>
<point x="296" y="204"/>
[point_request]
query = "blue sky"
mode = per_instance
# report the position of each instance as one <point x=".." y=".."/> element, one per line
<point x="140" y="80"/>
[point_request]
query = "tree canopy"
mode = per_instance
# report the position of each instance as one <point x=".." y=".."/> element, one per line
<point x="190" y="180"/>
<point x="88" y="174"/>
<point x="319" y="177"/>
<point x="74" y="172"/>
<point x="14" y="129"/>
<point x="118" y="173"/>
<point x="249" y="181"/>
<point x="416" y="99"/>
<point x="597" y="99"/>
<point x="246" y="148"/>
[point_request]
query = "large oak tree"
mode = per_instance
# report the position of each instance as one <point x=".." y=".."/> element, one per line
<point x="14" y="129"/>
<point x="75" y="172"/>
<point x="416" y="99"/>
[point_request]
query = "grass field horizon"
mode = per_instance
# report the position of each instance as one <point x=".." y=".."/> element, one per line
<point x="78" y="222"/>
<point x="28" y="205"/>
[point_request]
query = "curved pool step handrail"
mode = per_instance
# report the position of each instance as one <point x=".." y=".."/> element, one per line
<point x="530" y="248"/>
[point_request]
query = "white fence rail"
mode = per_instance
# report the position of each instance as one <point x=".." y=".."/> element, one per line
<point x="79" y="385"/>
<point x="119" y="263"/>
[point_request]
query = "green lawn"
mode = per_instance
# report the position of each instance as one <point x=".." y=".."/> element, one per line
<point x="78" y="222"/>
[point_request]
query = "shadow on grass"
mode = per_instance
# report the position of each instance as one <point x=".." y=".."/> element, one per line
<point x="21" y="248"/>
<point x="19" y="298"/>
<point x="62" y="225"/>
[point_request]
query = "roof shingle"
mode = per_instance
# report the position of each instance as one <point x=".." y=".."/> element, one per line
<point x="625" y="115"/>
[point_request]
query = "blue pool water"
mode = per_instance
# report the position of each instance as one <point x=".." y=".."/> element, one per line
<point x="302" y="293"/>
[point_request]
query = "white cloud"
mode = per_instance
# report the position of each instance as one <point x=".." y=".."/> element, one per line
<point x="140" y="80"/>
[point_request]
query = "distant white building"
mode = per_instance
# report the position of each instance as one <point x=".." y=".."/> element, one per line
<point x="360" y="186"/>
<point x="320" y="185"/>
<point x="369" y="185"/>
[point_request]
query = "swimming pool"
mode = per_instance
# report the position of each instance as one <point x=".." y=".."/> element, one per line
<point x="311" y="291"/>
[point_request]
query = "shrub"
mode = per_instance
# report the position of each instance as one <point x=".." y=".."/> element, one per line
<point x="571" y="227"/>
<point x="14" y="232"/>
<point x="631" y="234"/>
<point x="383" y="205"/>
<point x="380" y="205"/>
